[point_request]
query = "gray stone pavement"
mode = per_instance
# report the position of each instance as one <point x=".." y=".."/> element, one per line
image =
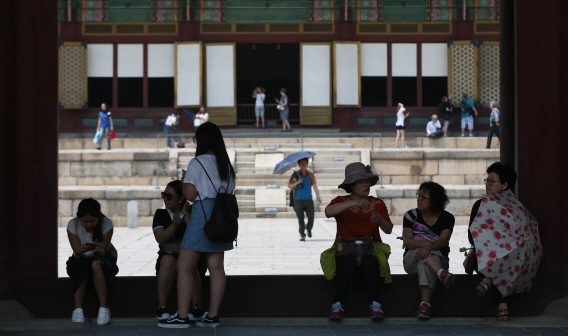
<point x="298" y="326"/>
<point x="265" y="247"/>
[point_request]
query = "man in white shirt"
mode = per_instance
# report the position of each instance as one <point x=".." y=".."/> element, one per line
<point x="434" y="128"/>
<point x="171" y="121"/>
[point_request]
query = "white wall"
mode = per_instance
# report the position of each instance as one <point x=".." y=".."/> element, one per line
<point x="434" y="60"/>
<point x="316" y="75"/>
<point x="404" y="60"/>
<point x="130" y="60"/>
<point x="374" y="59"/>
<point x="100" y="60"/>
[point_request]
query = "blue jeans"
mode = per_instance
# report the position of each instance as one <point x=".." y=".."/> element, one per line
<point x="103" y="131"/>
<point x="169" y="133"/>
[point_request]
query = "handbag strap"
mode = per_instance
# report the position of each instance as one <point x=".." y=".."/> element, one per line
<point x="218" y="190"/>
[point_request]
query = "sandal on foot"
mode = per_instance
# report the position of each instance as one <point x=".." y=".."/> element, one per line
<point x="482" y="288"/>
<point x="503" y="315"/>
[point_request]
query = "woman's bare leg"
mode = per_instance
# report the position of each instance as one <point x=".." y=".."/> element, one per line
<point x="427" y="293"/>
<point x="402" y="137"/>
<point x="80" y="294"/>
<point x="397" y="136"/>
<point x="166" y="277"/>
<point x="215" y="264"/>
<point x="446" y="124"/>
<point x="196" y="296"/>
<point x="434" y="263"/>
<point x="100" y="283"/>
<point x="187" y="261"/>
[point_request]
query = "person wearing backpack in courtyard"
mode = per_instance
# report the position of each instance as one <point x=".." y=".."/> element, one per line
<point x="467" y="112"/>
<point x="208" y="175"/>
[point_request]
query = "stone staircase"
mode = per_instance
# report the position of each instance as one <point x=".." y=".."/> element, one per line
<point x="122" y="175"/>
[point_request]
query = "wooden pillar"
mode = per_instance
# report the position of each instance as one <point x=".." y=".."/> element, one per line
<point x="419" y="74"/>
<point x="145" y="92"/>
<point x="114" y="75"/>
<point x="28" y="85"/>
<point x="508" y="101"/>
<point x="389" y="75"/>
<point x="540" y="132"/>
<point x="8" y="152"/>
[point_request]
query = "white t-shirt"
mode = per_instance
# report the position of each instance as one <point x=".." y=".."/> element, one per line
<point x="171" y="120"/>
<point x="431" y="127"/>
<point x="196" y="176"/>
<point x="197" y="122"/>
<point x="400" y="117"/>
<point x="260" y="99"/>
<point x="87" y="237"/>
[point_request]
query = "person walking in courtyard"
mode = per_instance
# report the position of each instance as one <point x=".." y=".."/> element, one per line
<point x="302" y="182"/>
<point x="467" y="112"/>
<point x="400" y="124"/>
<point x="494" y="124"/>
<point x="283" y="104"/>
<point x="94" y="257"/>
<point x="207" y="173"/>
<point x="434" y="128"/>
<point x="445" y="110"/>
<point x="358" y="248"/>
<point x="426" y="234"/>
<point x="105" y="124"/>
<point x="259" y="96"/>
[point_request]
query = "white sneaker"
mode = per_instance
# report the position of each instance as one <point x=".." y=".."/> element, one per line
<point x="78" y="315"/>
<point x="405" y="146"/>
<point x="463" y="135"/>
<point x="470" y="134"/>
<point x="104" y="316"/>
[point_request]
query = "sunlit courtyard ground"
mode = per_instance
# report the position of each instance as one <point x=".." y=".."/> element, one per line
<point x="265" y="247"/>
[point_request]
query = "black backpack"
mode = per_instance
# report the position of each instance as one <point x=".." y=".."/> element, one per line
<point x="223" y="225"/>
<point x="465" y="108"/>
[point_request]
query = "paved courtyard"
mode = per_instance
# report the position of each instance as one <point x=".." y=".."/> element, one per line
<point x="265" y="247"/>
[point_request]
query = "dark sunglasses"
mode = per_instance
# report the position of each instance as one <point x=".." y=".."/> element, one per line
<point x="168" y="197"/>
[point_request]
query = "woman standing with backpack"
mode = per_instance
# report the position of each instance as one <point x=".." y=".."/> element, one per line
<point x="207" y="174"/>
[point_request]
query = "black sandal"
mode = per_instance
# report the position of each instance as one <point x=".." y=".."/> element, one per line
<point x="482" y="288"/>
<point x="502" y="316"/>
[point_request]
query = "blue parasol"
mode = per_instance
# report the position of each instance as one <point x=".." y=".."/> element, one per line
<point x="291" y="161"/>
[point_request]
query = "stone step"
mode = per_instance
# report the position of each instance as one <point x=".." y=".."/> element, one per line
<point x="284" y="182"/>
<point x="287" y="214"/>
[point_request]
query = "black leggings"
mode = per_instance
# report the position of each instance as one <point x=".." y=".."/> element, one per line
<point x="347" y="269"/>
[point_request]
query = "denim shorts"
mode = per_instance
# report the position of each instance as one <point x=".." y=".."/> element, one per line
<point x="195" y="238"/>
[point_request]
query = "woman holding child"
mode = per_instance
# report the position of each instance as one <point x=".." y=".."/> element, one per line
<point x="426" y="234"/>
<point x="358" y="247"/>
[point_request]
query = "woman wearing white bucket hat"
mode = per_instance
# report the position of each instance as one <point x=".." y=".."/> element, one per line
<point x="434" y="128"/>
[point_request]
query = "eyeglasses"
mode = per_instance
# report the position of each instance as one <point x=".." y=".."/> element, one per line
<point x="168" y="197"/>
<point x="490" y="182"/>
<point x="422" y="197"/>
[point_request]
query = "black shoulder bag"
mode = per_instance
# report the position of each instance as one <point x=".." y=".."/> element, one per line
<point x="223" y="225"/>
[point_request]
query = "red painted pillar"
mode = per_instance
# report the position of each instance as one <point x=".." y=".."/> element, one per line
<point x="145" y="76"/>
<point x="541" y="128"/>
<point x="115" y="75"/>
<point x="389" y="74"/>
<point x="8" y="143"/>
<point x="419" y="74"/>
<point x="35" y="106"/>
